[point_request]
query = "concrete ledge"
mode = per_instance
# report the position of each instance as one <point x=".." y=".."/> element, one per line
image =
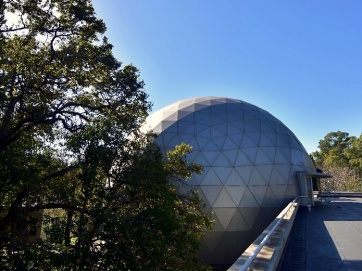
<point x="269" y="256"/>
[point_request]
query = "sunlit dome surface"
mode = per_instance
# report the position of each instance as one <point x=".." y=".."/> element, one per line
<point x="250" y="160"/>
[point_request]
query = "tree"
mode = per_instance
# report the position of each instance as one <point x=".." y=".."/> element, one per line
<point x="354" y="153"/>
<point x="332" y="149"/>
<point x="70" y="149"/>
<point x="339" y="155"/>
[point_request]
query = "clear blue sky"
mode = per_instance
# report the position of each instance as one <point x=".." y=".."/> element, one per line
<point x="299" y="60"/>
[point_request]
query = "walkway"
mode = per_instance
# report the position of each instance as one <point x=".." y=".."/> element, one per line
<point x="327" y="238"/>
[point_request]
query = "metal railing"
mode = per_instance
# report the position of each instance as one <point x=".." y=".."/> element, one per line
<point x="250" y="260"/>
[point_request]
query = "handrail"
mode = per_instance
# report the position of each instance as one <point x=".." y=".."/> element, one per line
<point x="249" y="261"/>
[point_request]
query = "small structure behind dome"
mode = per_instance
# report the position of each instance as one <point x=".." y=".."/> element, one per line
<point x="250" y="161"/>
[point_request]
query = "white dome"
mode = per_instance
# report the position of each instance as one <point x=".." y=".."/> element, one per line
<point x="250" y="160"/>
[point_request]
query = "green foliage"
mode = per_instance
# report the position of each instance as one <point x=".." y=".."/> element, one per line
<point x="341" y="156"/>
<point x="332" y="149"/>
<point x="71" y="152"/>
<point x="354" y="153"/>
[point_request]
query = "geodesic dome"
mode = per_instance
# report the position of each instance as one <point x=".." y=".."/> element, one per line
<point x="250" y="160"/>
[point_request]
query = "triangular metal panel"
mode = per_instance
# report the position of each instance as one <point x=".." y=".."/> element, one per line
<point x="212" y="239"/>
<point x="231" y="155"/>
<point x="282" y="141"/>
<point x="250" y="128"/>
<point x="261" y="158"/>
<point x="256" y="178"/>
<point x="200" y="159"/>
<point x="235" y="179"/>
<point x="248" y="200"/>
<point x="222" y="172"/>
<point x="199" y="106"/>
<point x="234" y="104"/>
<point x="272" y="137"/>
<point x="293" y="189"/>
<point x="279" y="191"/>
<point x="229" y="144"/>
<point x="211" y="193"/>
<point x="236" y="124"/>
<point x="276" y="178"/>
<point x="188" y="109"/>
<point x="236" y="139"/>
<point x="265" y="171"/>
<point x="255" y="123"/>
<point x="211" y="146"/>
<point x="307" y="160"/>
<point x="268" y="127"/>
<point x="287" y="153"/>
<point x="280" y="158"/>
<point x="224" y="200"/>
<point x="235" y="115"/>
<point x="297" y="157"/>
<point x="244" y="173"/>
<point x="211" y="156"/>
<point x="258" y="192"/>
<point x="174" y="141"/>
<point x="186" y="103"/>
<point x="217" y="225"/>
<point x="211" y="178"/>
<point x="202" y="118"/>
<point x="206" y="133"/>
<point x="224" y="215"/>
<point x="238" y="223"/>
<point x="186" y="127"/>
<point x="249" y="214"/>
<point x="267" y="140"/>
<point x="217" y="118"/>
<point x="265" y="115"/>
<point x="247" y="142"/>
<point x="170" y="126"/>
<point x="270" y="200"/>
<point x="251" y="114"/>
<point x="221" y="161"/>
<point x="255" y="137"/>
<point x="242" y="160"/>
<point x="232" y="129"/>
<point x="172" y="117"/>
<point x="270" y="153"/>
<point x="284" y="171"/>
<point x="207" y="102"/>
<point x="294" y="143"/>
<point x="250" y="153"/>
<point x="236" y="193"/>
<point x="280" y="127"/>
<point x="289" y="193"/>
<point x="167" y="137"/>
<point x="219" y="142"/>
<point x="199" y="128"/>
<point x="222" y="127"/>
<point x="216" y="132"/>
<point x="201" y="142"/>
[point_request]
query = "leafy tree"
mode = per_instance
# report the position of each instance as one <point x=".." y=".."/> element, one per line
<point x="339" y="155"/>
<point x="354" y="153"/>
<point x="71" y="150"/>
<point x="332" y="149"/>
